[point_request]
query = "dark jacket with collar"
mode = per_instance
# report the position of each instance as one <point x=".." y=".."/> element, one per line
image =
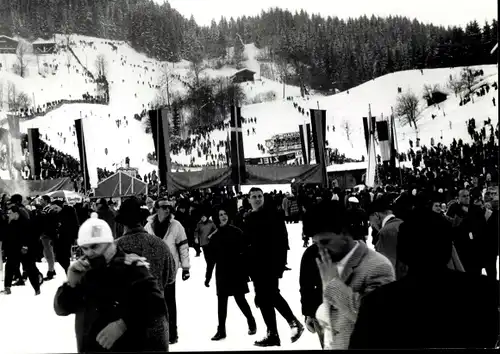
<point x="266" y="233"/>
<point x="157" y="254"/>
<point x="388" y="240"/>
<point x="117" y="291"/>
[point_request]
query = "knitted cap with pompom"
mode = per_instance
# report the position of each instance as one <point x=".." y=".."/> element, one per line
<point x="94" y="231"/>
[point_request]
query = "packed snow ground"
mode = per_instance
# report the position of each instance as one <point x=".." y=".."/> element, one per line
<point x="128" y="69"/>
<point x="24" y="313"/>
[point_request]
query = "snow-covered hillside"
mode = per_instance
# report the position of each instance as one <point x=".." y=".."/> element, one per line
<point x="133" y="79"/>
<point x="350" y="106"/>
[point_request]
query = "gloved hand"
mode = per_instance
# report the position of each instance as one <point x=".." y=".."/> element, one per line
<point x="310" y="324"/>
<point x="111" y="333"/>
<point x="207" y="283"/>
<point x="185" y="274"/>
<point x="76" y="271"/>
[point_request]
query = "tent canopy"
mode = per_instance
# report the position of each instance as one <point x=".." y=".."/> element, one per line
<point x="120" y="185"/>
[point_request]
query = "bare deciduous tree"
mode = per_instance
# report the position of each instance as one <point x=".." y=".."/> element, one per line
<point x="407" y="108"/>
<point x="196" y="69"/>
<point x="468" y="80"/>
<point x="22" y="53"/>
<point x="101" y="65"/>
<point x="284" y="69"/>
<point x="16" y="100"/>
<point x="456" y="85"/>
<point x="346" y="125"/>
<point x="166" y="80"/>
<point x="69" y="55"/>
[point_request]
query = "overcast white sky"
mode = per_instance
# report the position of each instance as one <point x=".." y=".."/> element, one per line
<point x="439" y="12"/>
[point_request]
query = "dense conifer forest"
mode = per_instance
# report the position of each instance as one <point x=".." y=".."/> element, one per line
<point x="322" y="52"/>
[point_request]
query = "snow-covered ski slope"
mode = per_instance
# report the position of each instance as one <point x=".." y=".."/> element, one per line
<point x="127" y="69"/>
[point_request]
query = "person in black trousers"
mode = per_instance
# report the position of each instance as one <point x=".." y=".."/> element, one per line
<point x="21" y="247"/>
<point x="65" y="226"/>
<point x="311" y="290"/>
<point x="227" y="248"/>
<point x="265" y="230"/>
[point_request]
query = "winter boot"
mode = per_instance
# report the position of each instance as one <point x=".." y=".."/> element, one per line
<point x="271" y="340"/>
<point x="173" y="340"/>
<point x="221" y="334"/>
<point x="19" y="282"/>
<point x="297" y="330"/>
<point x="252" y="327"/>
<point x="7" y="291"/>
<point x="37" y="292"/>
<point x="50" y="275"/>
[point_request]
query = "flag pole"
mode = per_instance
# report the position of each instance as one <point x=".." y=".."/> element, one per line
<point x="395" y="139"/>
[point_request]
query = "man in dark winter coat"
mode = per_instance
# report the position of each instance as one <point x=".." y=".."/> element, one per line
<point x="20" y="246"/>
<point x="266" y="233"/>
<point x="117" y="302"/>
<point x="387" y="224"/>
<point x="137" y="241"/>
<point x="64" y="223"/>
<point x="108" y="215"/>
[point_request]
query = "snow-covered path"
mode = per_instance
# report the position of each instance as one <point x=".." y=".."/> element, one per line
<point x="29" y="325"/>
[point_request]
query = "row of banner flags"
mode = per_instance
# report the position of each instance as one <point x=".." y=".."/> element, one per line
<point x="312" y="137"/>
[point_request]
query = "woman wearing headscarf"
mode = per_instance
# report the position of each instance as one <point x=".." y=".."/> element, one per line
<point x="228" y="250"/>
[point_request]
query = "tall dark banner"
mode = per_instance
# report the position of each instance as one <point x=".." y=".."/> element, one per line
<point x="393" y="144"/>
<point x="304" y="145"/>
<point x="34" y="149"/>
<point x="80" y="137"/>
<point x="318" y="125"/>
<point x="367" y="131"/>
<point x="309" y="140"/>
<point x="238" y="170"/>
<point x="383" y="138"/>
<point x="159" y="120"/>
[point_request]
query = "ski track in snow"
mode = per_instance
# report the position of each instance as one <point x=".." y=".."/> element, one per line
<point x="274" y="117"/>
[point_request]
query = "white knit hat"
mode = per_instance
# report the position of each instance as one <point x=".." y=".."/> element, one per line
<point x="353" y="200"/>
<point x="94" y="230"/>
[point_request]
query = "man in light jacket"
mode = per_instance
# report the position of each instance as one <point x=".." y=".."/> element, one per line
<point x="349" y="270"/>
<point x="164" y="225"/>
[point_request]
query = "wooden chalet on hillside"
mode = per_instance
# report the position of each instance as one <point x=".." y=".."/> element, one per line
<point x="44" y="48"/>
<point x="243" y="75"/>
<point x="8" y="45"/>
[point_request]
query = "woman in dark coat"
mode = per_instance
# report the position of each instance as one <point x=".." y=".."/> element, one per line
<point x="228" y="248"/>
